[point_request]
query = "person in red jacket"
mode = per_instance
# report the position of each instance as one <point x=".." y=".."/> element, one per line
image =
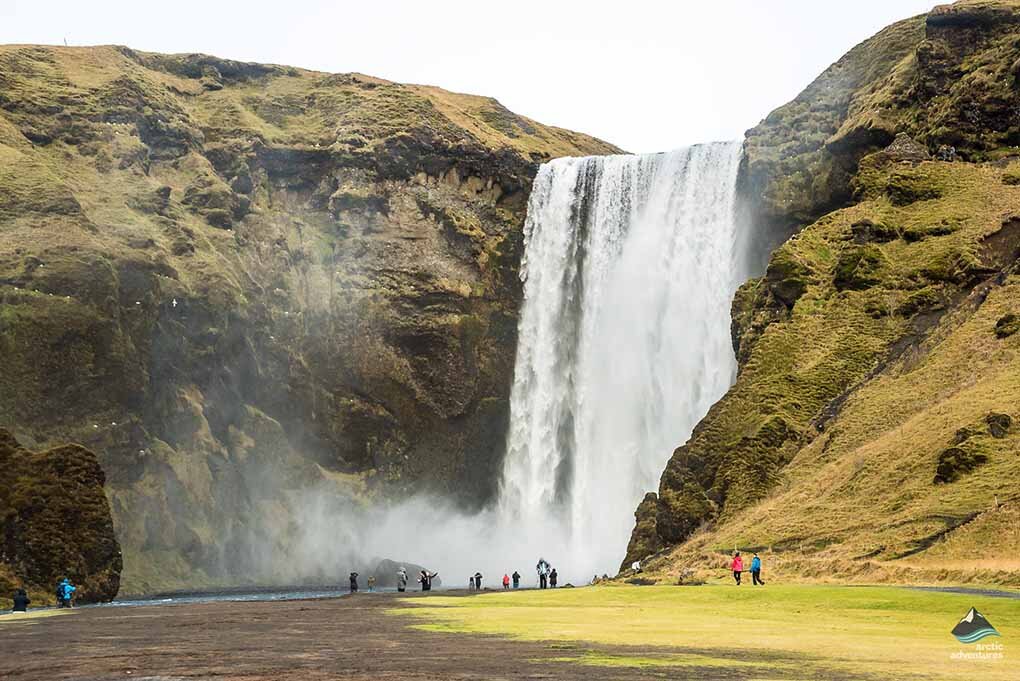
<point x="737" y="566"/>
<point x="506" y="581"/>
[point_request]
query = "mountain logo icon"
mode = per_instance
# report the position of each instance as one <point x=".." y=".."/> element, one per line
<point x="973" y="627"/>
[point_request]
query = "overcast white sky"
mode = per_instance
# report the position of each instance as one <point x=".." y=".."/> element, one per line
<point x="645" y="75"/>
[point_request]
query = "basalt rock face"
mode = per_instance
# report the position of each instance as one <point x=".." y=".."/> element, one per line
<point x="233" y="281"/>
<point x="55" y="522"/>
<point x="869" y="418"/>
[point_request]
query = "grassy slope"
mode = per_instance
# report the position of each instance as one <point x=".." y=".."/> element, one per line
<point x="789" y="632"/>
<point x="846" y="401"/>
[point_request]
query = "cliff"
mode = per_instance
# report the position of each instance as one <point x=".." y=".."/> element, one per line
<point x="235" y="282"/>
<point x="870" y="429"/>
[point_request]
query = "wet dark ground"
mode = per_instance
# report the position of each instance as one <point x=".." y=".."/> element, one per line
<point x="337" y="638"/>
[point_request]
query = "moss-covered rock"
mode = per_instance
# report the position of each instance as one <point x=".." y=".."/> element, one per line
<point x="955" y="462"/>
<point x="55" y="522"/>
<point x="1007" y="325"/>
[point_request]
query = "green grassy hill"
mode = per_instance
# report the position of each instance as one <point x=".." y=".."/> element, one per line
<point x="871" y="431"/>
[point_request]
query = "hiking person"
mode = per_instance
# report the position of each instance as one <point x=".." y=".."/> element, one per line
<point x="426" y="579"/>
<point x="59" y="591"/>
<point x="371" y="583"/>
<point x="543" y="573"/>
<point x="737" y="566"/>
<point x="516" y="576"/>
<point x="552" y="578"/>
<point x="756" y="571"/>
<point x="21" y="601"/>
<point x="401" y="580"/>
<point x="354" y="582"/>
<point x="506" y="582"/>
<point x="478" y="581"/>
<point x="471" y="583"/>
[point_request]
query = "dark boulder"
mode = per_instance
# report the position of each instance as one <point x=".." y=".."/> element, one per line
<point x="998" y="424"/>
<point x="1007" y="326"/>
<point x="956" y="462"/>
<point x="385" y="574"/>
<point x="55" y="522"/>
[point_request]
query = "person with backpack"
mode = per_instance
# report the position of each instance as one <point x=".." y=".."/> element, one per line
<point x="401" y="580"/>
<point x="756" y="571"/>
<point x="65" y="593"/>
<point x="354" y="582"/>
<point x="506" y="582"/>
<point x="478" y="581"/>
<point x="552" y="578"/>
<point x="737" y="566"/>
<point x="517" y="579"/>
<point x="21" y="601"/>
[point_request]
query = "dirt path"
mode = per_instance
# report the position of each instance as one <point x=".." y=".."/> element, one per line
<point x="348" y="638"/>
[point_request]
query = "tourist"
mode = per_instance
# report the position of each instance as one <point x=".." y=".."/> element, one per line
<point x="543" y="573"/>
<point x="756" y="571"/>
<point x="516" y="576"/>
<point x="401" y="580"/>
<point x="471" y="583"/>
<point x="65" y="593"/>
<point x="354" y="582"/>
<point x="552" y="578"/>
<point x="21" y="601"/>
<point x="371" y="583"/>
<point x="425" y="579"/>
<point x="506" y="582"/>
<point x="737" y="566"/>
<point x="478" y="581"/>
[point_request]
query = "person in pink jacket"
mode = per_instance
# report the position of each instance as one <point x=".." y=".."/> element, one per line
<point x="737" y="566"/>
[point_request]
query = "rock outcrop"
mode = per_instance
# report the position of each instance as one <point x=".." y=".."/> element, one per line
<point x="947" y="79"/>
<point x="879" y="333"/>
<point x="55" y="522"/>
<point x="236" y="281"/>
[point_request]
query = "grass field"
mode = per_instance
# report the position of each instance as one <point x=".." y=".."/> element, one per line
<point x="782" y="632"/>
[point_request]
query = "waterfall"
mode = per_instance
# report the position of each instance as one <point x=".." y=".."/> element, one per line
<point x="629" y="269"/>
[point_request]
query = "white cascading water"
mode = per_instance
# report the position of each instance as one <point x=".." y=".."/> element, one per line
<point x="630" y="266"/>
<point x="623" y="345"/>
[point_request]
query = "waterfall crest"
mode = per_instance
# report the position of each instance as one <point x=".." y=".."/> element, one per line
<point x="630" y="266"/>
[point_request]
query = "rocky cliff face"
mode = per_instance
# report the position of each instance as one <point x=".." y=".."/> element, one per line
<point x="877" y="352"/>
<point x="235" y="281"/>
<point x="55" y="522"/>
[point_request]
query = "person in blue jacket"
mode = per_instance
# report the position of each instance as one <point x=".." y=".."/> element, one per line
<point x="65" y="593"/>
<point x="756" y="571"/>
